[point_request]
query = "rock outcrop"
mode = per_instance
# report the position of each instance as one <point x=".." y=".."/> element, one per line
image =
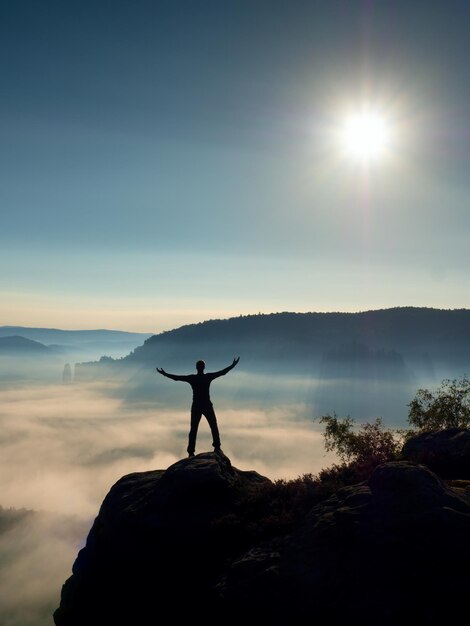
<point x="394" y="549"/>
<point x="446" y="452"/>
<point x="151" y="549"/>
<point x="387" y="552"/>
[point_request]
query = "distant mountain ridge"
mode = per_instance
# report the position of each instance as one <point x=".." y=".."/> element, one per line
<point x="60" y="336"/>
<point x="16" y="344"/>
<point x="79" y="345"/>
<point x="418" y="334"/>
<point x="39" y="354"/>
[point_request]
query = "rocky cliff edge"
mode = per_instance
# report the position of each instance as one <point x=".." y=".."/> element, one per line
<point x="204" y="539"/>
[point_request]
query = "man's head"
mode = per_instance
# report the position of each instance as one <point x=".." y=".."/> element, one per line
<point x="200" y="365"/>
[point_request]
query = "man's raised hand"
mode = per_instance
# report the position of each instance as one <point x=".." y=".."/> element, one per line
<point x="160" y="370"/>
<point x="235" y="361"/>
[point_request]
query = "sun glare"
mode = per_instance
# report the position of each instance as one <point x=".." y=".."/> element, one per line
<point x="365" y="136"/>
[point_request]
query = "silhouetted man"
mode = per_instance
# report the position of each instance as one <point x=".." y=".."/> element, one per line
<point x="202" y="404"/>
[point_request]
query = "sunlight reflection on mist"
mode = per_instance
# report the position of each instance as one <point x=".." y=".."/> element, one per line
<point x="63" y="446"/>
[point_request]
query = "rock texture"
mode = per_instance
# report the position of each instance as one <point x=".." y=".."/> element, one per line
<point x="446" y="452"/>
<point x="389" y="551"/>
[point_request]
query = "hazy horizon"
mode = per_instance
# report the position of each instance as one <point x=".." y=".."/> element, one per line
<point x="231" y="315"/>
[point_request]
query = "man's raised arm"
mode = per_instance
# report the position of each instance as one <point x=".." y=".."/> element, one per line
<point x="226" y="369"/>
<point x="161" y="371"/>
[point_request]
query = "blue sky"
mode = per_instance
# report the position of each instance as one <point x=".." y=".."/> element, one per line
<point x="167" y="162"/>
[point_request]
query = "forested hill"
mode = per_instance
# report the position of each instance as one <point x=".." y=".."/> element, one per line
<point x="416" y="333"/>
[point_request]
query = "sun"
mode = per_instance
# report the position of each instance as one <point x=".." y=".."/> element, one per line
<point x="365" y="135"/>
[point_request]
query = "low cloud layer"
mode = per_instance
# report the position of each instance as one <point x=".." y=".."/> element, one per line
<point x="36" y="549"/>
<point x="63" y="447"/>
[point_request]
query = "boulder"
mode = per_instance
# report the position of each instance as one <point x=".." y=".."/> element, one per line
<point x="446" y="452"/>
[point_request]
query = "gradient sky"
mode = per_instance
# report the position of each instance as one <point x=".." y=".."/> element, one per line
<point x="164" y="162"/>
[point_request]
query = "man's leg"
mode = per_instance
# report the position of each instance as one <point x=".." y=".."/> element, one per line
<point x="196" y="415"/>
<point x="210" y="416"/>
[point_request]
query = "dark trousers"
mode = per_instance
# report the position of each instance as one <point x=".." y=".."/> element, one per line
<point x="197" y="411"/>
